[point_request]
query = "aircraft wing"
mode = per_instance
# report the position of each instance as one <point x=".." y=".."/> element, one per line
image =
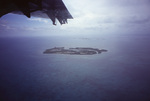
<point x="53" y="9"/>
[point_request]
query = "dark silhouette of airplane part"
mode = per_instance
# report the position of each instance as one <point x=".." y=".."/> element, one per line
<point x="53" y="9"/>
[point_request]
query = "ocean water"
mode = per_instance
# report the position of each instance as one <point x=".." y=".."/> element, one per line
<point x="121" y="74"/>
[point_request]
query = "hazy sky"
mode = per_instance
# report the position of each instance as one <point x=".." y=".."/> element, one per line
<point x="90" y="16"/>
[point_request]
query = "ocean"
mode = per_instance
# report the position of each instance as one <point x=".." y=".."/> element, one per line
<point x="121" y="74"/>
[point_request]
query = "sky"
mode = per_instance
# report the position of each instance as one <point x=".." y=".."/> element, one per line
<point x="90" y="17"/>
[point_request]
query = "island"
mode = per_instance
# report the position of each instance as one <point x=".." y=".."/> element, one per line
<point x="74" y="51"/>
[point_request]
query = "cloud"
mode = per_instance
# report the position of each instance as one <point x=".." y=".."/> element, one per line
<point x="108" y="14"/>
<point x="139" y="19"/>
<point x="3" y="22"/>
<point x="39" y="26"/>
<point x="127" y="3"/>
<point x="39" y="20"/>
<point x="4" y="25"/>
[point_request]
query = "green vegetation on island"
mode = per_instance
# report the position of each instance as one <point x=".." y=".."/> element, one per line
<point x="74" y="51"/>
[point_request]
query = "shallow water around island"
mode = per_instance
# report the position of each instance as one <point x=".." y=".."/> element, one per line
<point x="121" y="74"/>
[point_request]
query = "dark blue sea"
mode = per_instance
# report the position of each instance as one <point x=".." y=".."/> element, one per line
<point x="121" y="74"/>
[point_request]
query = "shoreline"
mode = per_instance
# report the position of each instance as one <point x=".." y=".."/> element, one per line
<point x="74" y="51"/>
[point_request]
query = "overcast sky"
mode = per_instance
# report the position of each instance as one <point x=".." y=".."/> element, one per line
<point x="90" y="16"/>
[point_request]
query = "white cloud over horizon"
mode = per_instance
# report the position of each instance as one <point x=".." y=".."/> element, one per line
<point x="94" y="13"/>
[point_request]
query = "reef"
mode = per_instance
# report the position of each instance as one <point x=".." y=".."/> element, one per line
<point x="74" y="51"/>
